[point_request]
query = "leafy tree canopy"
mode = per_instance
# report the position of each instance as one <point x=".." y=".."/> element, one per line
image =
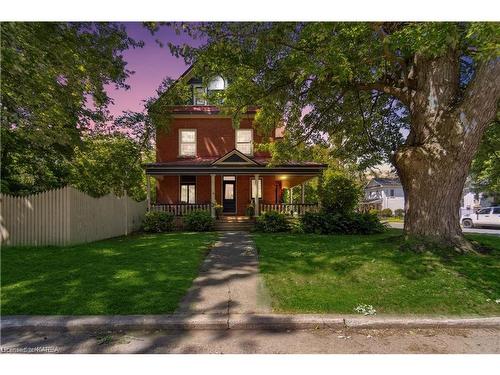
<point x="106" y="164"/>
<point x="485" y="171"/>
<point x="52" y="90"/>
<point x="345" y="84"/>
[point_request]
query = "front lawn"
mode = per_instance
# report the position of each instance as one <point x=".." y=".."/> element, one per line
<point x="139" y="274"/>
<point x="335" y="273"/>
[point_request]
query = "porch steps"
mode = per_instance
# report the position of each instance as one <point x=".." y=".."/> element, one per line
<point x="234" y="223"/>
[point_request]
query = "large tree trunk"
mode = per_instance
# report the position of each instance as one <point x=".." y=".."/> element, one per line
<point x="446" y="129"/>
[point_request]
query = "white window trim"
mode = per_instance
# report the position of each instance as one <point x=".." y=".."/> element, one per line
<point x="236" y="141"/>
<point x="195" y="143"/>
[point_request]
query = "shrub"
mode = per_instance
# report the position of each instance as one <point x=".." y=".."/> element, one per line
<point x="339" y="194"/>
<point x="272" y="222"/>
<point x="374" y="211"/>
<point x="335" y="223"/>
<point x="158" y="221"/>
<point x="199" y="221"/>
<point x="399" y="212"/>
<point x="386" y="212"/>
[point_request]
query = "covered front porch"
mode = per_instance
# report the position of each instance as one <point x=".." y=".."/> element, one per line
<point x="231" y="187"/>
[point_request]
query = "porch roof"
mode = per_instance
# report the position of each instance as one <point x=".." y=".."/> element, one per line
<point x="205" y="166"/>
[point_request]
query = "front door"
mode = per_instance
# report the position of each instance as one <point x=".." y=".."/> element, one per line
<point x="229" y="195"/>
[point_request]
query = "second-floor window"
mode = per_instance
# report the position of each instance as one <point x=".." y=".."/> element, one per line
<point x="187" y="142"/>
<point x="244" y="141"/>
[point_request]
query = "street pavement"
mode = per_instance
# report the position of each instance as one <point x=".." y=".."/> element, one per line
<point x="465" y="230"/>
<point x="450" y="340"/>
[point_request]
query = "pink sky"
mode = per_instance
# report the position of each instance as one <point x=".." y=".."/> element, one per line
<point x="151" y="64"/>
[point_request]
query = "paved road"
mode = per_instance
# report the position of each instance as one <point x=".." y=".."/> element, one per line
<point x="465" y="230"/>
<point x="251" y="341"/>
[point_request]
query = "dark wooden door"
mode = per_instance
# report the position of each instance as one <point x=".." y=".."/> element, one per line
<point x="229" y="197"/>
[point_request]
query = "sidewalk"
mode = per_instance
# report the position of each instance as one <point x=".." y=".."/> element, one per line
<point x="229" y="281"/>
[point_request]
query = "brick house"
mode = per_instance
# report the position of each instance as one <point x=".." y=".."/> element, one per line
<point x="202" y="160"/>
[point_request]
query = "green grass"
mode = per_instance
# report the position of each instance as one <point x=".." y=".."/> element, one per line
<point x="393" y="219"/>
<point x="139" y="274"/>
<point x="335" y="273"/>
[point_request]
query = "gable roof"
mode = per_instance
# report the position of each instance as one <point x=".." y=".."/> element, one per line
<point x="381" y="182"/>
<point x="235" y="157"/>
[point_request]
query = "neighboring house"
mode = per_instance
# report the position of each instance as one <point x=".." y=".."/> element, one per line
<point x="382" y="193"/>
<point x="472" y="201"/>
<point x="202" y="160"/>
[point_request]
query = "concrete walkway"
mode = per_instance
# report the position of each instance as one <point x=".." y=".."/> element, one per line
<point x="229" y="280"/>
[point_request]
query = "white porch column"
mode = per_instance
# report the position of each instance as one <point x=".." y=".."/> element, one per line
<point x="257" y="203"/>
<point x="303" y="192"/>
<point x="148" y="192"/>
<point x="290" y="191"/>
<point x="212" y="195"/>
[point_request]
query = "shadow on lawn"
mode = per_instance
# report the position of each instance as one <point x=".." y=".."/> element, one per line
<point x="134" y="275"/>
<point x="344" y="254"/>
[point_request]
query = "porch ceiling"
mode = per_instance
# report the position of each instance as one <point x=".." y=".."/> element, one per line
<point x="285" y="170"/>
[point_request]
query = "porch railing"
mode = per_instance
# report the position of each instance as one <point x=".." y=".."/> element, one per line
<point x="290" y="209"/>
<point x="180" y="209"/>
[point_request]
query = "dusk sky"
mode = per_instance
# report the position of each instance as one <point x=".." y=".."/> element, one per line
<point x="151" y="64"/>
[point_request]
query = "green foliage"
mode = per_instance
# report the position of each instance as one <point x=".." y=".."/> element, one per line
<point x="106" y="164"/>
<point x="485" y="170"/>
<point x="399" y="212"/>
<point x="334" y="223"/>
<point x="339" y="194"/>
<point x="374" y="211"/>
<point x="199" y="221"/>
<point x="158" y="221"/>
<point x="332" y="83"/>
<point x="386" y="212"/>
<point x="272" y="222"/>
<point x="53" y="88"/>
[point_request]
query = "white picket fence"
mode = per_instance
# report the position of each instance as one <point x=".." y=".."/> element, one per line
<point x="66" y="216"/>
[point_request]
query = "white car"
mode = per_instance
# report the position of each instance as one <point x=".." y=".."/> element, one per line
<point x="487" y="216"/>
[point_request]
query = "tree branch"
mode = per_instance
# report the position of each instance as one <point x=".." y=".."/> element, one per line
<point x="399" y="93"/>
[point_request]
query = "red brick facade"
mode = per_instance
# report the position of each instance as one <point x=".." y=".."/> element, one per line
<point x="215" y="137"/>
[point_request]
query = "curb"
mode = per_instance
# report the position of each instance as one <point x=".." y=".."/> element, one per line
<point x="237" y="322"/>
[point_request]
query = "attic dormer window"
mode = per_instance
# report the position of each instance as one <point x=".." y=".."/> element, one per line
<point x="199" y="95"/>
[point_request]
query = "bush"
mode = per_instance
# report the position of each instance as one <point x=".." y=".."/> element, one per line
<point x="399" y="212"/>
<point x="339" y="194"/>
<point x="374" y="211"/>
<point x="386" y="212"/>
<point x="272" y="222"/>
<point x="335" y="223"/>
<point x="199" y="221"/>
<point x="158" y="221"/>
